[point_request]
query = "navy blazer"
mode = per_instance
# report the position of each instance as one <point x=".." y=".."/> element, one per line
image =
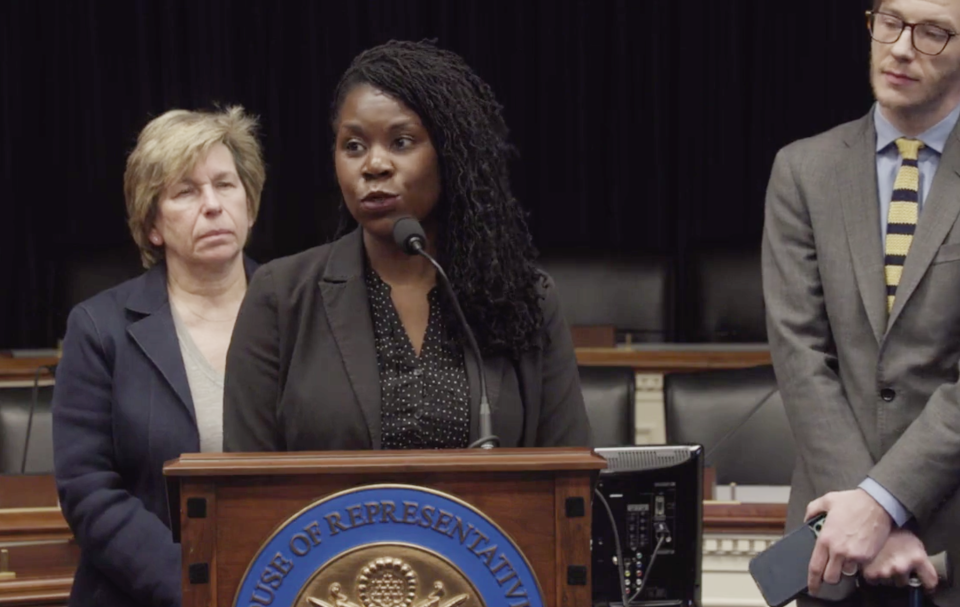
<point x="121" y="408"/>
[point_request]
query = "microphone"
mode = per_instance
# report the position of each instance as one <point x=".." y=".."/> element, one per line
<point x="409" y="236"/>
<point x="52" y="370"/>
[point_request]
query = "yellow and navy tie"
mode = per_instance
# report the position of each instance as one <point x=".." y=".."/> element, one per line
<point x="902" y="218"/>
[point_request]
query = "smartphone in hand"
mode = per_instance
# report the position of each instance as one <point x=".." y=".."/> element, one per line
<point x="780" y="571"/>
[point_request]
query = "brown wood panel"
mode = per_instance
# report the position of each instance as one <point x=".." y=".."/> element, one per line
<point x="24" y="368"/>
<point x="672" y="360"/>
<point x="33" y="524"/>
<point x="573" y="537"/>
<point x="43" y="560"/>
<point x="721" y="517"/>
<point x="506" y="498"/>
<point x="593" y="336"/>
<point x="395" y="462"/>
<point x="27" y="491"/>
<point x="709" y="482"/>
<point x="49" y="591"/>
<point x="43" y="555"/>
<point x="199" y="544"/>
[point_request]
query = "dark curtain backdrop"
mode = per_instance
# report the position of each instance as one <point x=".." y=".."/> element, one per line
<point x="643" y="125"/>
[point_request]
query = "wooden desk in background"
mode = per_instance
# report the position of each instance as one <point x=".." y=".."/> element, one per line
<point x="649" y="361"/>
<point x="20" y="372"/>
<point x="645" y="358"/>
<point x="674" y="358"/>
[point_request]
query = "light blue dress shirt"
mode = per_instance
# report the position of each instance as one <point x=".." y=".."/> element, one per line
<point x="888" y="164"/>
<point x="888" y="158"/>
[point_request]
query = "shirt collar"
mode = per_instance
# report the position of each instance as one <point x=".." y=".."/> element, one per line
<point x="934" y="138"/>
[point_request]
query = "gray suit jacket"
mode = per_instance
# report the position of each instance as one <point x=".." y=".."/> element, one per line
<point x="836" y="352"/>
<point x="302" y="369"/>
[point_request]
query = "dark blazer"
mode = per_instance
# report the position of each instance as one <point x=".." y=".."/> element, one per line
<point x="121" y="408"/>
<point x="302" y="366"/>
<point x="868" y="393"/>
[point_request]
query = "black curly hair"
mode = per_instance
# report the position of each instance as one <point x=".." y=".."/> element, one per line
<point x="483" y="241"/>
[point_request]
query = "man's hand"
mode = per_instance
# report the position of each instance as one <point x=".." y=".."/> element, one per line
<point x="902" y="555"/>
<point x="856" y="529"/>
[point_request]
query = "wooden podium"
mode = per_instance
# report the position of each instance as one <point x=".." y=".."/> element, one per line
<point x="229" y="510"/>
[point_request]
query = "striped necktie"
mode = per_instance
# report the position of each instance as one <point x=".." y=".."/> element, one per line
<point x="902" y="218"/>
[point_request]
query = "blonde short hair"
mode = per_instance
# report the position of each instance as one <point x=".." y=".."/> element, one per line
<point x="169" y="147"/>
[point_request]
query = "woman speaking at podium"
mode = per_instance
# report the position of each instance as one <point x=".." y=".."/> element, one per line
<point x="354" y="344"/>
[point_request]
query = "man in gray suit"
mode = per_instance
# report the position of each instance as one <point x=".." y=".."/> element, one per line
<point x="861" y="269"/>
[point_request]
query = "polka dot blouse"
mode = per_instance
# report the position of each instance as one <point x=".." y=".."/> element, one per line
<point x="425" y="399"/>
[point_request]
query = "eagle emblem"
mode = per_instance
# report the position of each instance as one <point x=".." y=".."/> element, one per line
<point x="388" y="582"/>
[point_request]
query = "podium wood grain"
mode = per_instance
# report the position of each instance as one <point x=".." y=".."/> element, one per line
<point x="523" y="491"/>
<point x="199" y="541"/>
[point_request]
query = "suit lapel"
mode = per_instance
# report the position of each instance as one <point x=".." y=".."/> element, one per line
<point x="937" y="216"/>
<point x="861" y="219"/>
<point x="156" y="335"/>
<point x="344" y="294"/>
<point x="493" y="372"/>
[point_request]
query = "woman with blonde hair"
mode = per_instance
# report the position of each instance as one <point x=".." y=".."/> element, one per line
<point x="141" y="378"/>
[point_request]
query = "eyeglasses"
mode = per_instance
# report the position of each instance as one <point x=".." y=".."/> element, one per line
<point x="927" y="38"/>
